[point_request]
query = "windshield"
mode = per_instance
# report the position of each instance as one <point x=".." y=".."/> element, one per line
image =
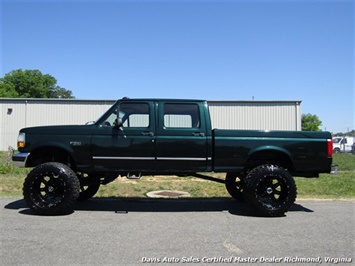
<point x="336" y="140"/>
<point x="131" y="115"/>
<point x="110" y="115"/>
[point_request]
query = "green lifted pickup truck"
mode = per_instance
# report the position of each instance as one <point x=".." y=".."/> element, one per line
<point x="138" y="137"/>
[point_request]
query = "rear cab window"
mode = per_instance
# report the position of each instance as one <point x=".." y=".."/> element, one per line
<point x="184" y="116"/>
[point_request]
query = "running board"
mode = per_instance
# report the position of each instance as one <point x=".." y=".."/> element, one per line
<point x="134" y="176"/>
<point x="210" y="178"/>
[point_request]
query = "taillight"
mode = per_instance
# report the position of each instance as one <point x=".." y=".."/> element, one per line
<point x="330" y="147"/>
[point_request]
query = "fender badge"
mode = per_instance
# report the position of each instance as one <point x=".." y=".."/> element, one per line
<point x="75" y="143"/>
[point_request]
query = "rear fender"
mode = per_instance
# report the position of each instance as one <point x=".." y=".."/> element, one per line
<point x="269" y="148"/>
<point x="270" y="155"/>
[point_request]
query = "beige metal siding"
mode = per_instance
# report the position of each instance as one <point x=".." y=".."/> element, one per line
<point x="63" y="113"/>
<point x="43" y="112"/>
<point x="13" y="117"/>
<point x="258" y="115"/>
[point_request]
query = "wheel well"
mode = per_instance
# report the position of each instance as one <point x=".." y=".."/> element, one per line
<point x="49" y="154"/>
<point x="270" y="157"/>
<point x="337" y="149"/>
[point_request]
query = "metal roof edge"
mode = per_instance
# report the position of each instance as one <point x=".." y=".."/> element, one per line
<point x="114" y="100"/>
<point x="52" y="100"/>
<point x="254" y="101"/>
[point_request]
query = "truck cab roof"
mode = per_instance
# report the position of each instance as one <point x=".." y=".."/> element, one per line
<point x="161" y="99"/>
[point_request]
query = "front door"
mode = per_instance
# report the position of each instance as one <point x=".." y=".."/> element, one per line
<point x="129" y="147"/>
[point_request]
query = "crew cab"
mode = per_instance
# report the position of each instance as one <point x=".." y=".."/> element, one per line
<point x="138" y="137"/>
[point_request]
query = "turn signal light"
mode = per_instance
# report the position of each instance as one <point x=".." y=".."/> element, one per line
<point x="21" y="140"/>
<point x="20" y="144"/>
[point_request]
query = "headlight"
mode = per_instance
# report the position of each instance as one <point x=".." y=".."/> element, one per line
<point x="21" y="140"/>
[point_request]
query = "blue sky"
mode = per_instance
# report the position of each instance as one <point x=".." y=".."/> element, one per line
<point x="214" y="50"/>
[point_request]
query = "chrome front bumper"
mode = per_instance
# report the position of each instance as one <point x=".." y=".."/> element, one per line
<point x="19" y="159"/>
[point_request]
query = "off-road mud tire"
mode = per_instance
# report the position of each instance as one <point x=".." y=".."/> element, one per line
<point x="51" y="189"/>
<point x="234" y="184"/>
<point x="87" y="192"/>
<point x="270" y="190"/>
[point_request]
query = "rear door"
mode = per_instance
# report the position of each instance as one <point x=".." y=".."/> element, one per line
<point x="181" y="142"/>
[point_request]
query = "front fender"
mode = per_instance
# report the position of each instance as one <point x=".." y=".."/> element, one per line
<point x="53" y="145"/>
<point x="48" y="153"/>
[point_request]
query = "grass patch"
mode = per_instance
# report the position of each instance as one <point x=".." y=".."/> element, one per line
<point x="345" y="161"/>
<point x="11" y="185"/>
<point x="123" y="187"/>
<point x="340" y="186"/>
<point x="326" y="187"/>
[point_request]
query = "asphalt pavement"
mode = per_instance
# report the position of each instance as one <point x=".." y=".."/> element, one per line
<point x="177" y="231"/>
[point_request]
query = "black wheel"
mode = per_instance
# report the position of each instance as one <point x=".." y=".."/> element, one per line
<point x="336" y="150"/>
<point x="88" y="186"/>
<point x="234" y="185"/>
<point x="270" y="189"/>
<point x="51" y="189"/>
<point x="87" y="192"/>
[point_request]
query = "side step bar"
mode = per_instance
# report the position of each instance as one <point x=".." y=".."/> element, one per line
<point x="134" y="176"/>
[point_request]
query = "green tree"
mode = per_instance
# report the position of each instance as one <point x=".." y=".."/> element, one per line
<point x="59" y="92"/>
<point x="310" y="122"/>
<point x="7" y="90"/>
<point x="31" y="84"/>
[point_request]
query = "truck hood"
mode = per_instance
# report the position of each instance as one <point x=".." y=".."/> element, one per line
<point x="59" y="130"/>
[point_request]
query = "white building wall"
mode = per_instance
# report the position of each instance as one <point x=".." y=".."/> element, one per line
<point x="64" y="112"/>
<point x="260" y="115"/>
<point x="13" y="116"/>
<point x="44" y="112"/>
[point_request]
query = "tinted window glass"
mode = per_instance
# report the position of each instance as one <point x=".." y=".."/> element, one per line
<point x="181" y="115"/>
<point x="134" y="114"/>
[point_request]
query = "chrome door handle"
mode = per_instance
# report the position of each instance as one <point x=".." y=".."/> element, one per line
<point x="147" y="133"/>
<point x="198" y="134"/>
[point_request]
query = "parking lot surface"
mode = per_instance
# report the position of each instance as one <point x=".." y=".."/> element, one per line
<point x="129" y="231"/>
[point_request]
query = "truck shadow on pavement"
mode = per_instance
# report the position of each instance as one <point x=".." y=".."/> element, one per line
<point x="127" y="205"/>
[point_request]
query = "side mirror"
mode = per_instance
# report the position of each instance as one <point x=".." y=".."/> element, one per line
<point x="118" y="123"/>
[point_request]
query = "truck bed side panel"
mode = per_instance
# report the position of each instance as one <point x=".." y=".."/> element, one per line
<point x="307" y="151"/>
